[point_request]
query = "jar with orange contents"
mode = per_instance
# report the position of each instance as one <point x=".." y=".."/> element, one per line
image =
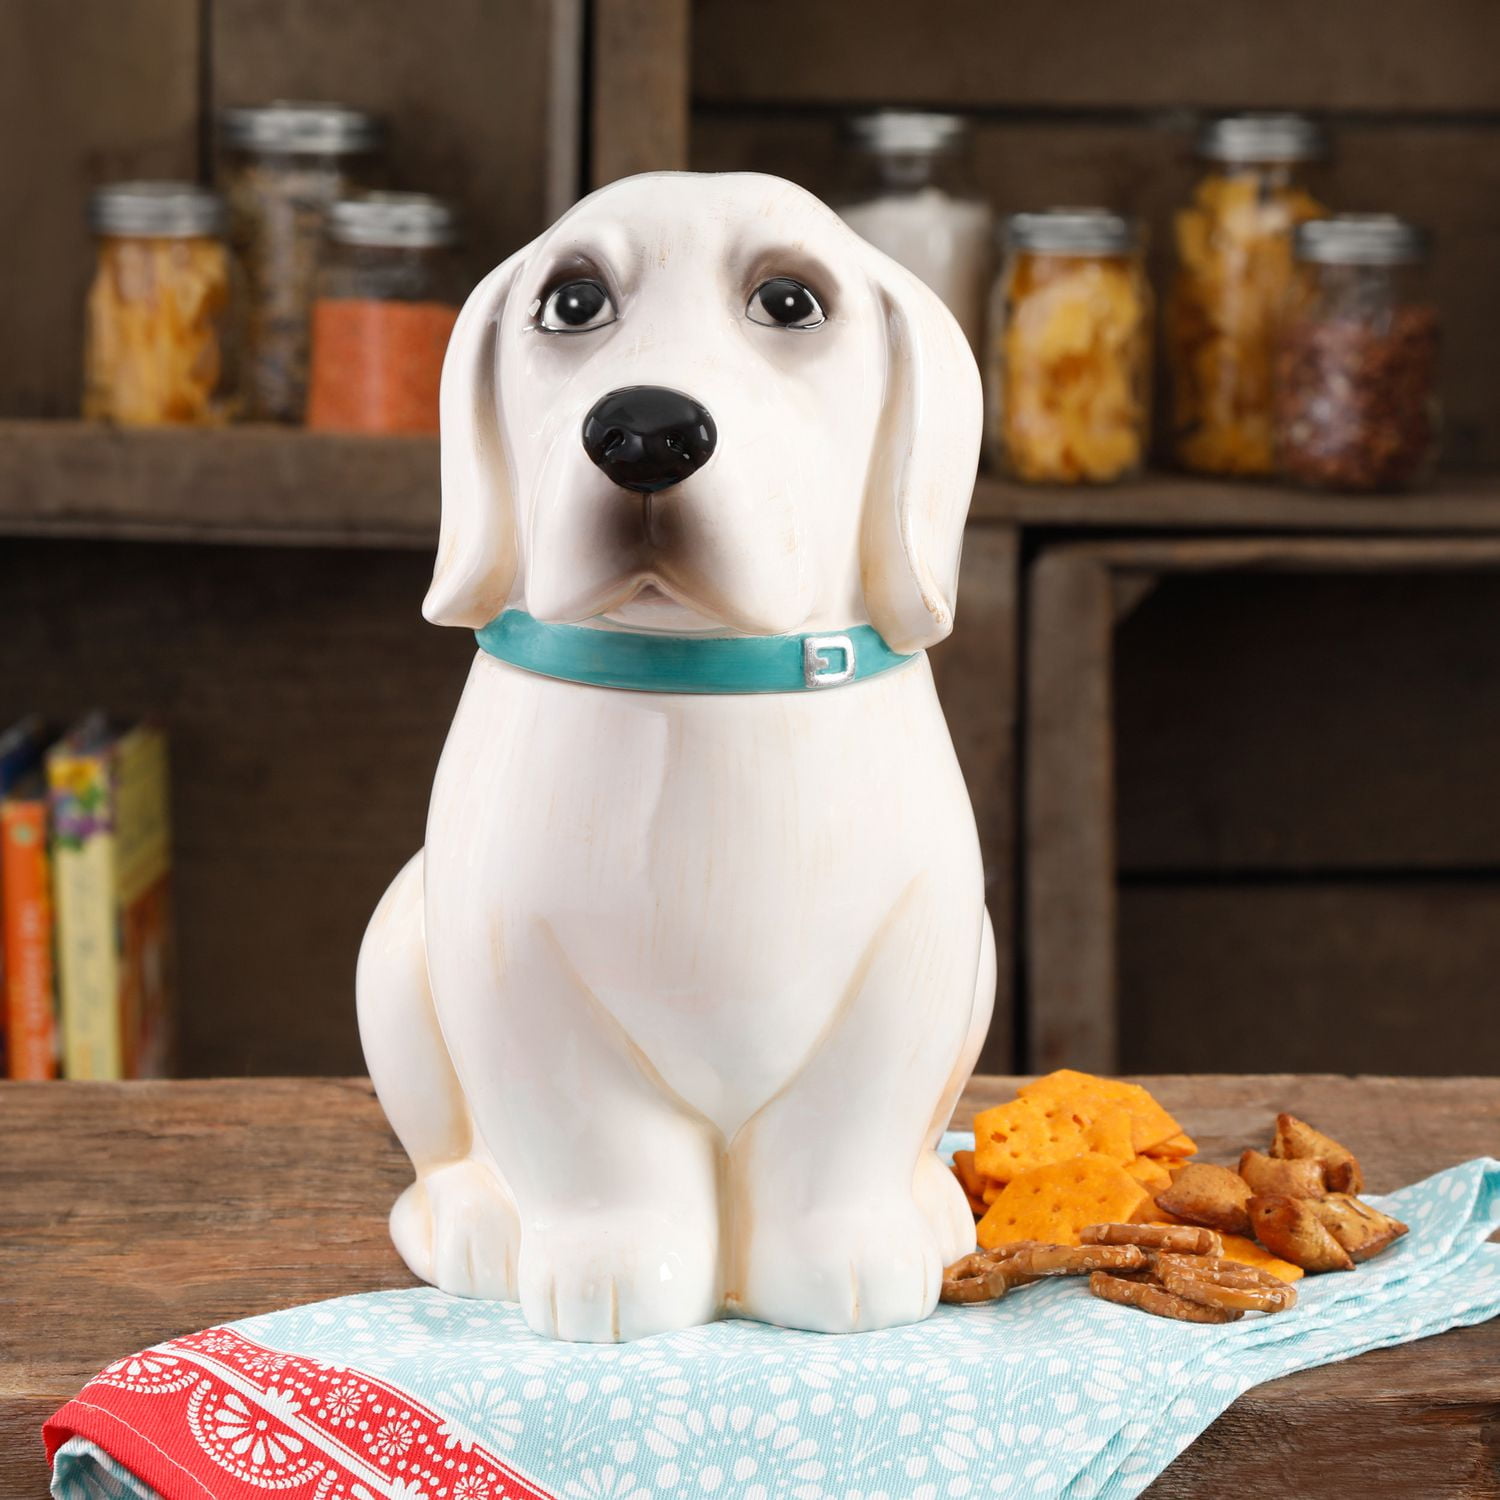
<point x="159" y="344"/>
<point x="389" y="292"/>
<point x="1068" y="384"/>
<point x="1234" y="266"/>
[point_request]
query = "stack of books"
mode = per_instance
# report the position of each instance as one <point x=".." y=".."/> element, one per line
<point x="85" y="901"/>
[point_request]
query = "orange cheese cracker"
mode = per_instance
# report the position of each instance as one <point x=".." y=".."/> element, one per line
<point x="1175" y="1148"/>
<point x="1150" y="1174"/>
<point x="1014" y="1137"/>
<point x="1088" y="1097"/>
<point x="1247" y="1252"/>
<point x="1110" y="1135"/>
<point x="969" y="1179"/>
<point x="1052" y="1203"/>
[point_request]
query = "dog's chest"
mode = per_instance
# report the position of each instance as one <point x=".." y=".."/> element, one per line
<point x="711" y="870"/>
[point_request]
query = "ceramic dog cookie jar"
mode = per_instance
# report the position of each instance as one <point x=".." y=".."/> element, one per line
<point x="672" y="1007"/>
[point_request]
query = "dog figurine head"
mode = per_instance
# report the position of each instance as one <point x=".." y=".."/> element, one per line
<point x="702" y="403"/>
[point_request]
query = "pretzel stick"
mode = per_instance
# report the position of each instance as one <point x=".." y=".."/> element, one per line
<point x="1225" y="1284"/>
<point x="1157" y="1300"/>
<point x="1186" y="1238"/>
<point x="1077" y="1260"/>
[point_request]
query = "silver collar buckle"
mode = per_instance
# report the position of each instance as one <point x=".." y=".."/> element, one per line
<point x="817" y="670"/>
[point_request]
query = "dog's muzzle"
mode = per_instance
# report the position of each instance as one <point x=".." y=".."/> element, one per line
<point x="647" y="438"/>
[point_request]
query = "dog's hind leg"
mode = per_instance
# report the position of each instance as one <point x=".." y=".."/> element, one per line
<point x="456" y="1225"/>
<point x="936" y="1188"/>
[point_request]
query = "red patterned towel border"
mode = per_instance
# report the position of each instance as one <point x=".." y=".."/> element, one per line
<point x="265" y="1422"/>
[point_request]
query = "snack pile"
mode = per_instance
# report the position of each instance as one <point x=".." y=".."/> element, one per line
<point x="1084" y="1175"/>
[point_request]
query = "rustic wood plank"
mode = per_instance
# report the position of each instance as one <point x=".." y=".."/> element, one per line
<point x="1322" y="973"/>
<point x="1457" y="504"/>
<point x="90" y="92"/>
<point x="1154" y="54"/>
<point x="1443" y="175"/>
<point x="129" y="1213"/>
<point x="639" y="117"/>
<point x="306" y="702"/>
<point x="467" y="90"/>
<point x="265" y="485"/>
<point x="1069" y="814"/>
<point x="976" y="672"/>
<point x="1338" y="723"/>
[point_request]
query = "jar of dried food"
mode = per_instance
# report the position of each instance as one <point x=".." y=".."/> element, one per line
<point x="1357" y="358"/>
<point x="388" y="295"/>
<point x="1234" y="260"/>
<point x="1069" y="371"/>
<point x="284" y="166"/>
<point x="910" y="194"/>
<point x="159" y="347"/>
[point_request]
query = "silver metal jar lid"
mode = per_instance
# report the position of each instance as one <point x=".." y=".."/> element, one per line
<point x="156" y="210"/>
<point x="1072" y="231"/>
<point x="919" y="132"/>
<point x="305" y="129"/>
<point x="1360" y="240"/>
<point x="1268" y="138"/>
<point x="407" y="221"/>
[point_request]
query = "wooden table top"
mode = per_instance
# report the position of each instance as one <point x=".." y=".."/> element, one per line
<point x="130" y="1213"/>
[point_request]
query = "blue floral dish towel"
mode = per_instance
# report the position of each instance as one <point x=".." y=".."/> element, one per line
<point x="414" y="1395"/>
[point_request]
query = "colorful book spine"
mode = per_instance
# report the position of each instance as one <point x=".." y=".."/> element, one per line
<point x="26" y="934"/>
<point x="111" y="858"/>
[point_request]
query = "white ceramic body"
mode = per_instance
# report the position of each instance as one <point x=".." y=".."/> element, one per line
<point x="673" y="1005"/>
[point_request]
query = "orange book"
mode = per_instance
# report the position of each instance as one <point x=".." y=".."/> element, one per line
<point x="26" y="930"/>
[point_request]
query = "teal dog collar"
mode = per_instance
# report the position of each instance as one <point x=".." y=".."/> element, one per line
<point x="687" y="664"/>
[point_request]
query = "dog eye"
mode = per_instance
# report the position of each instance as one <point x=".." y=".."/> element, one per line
<point x="784" y="303"/>
<point x="576" y="306"/>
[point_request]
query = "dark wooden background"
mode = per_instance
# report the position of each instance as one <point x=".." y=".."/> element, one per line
<point x="1305" y="818"/>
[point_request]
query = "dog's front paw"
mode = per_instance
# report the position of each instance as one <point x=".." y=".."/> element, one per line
<point x="608" y="1278"/>
<point x="456" y="1227"/>
<point x="847" y="1268"/>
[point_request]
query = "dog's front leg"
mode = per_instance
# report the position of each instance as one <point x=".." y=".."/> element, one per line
<point x="616" y="1180"/>
<point x="830" y="1226"/>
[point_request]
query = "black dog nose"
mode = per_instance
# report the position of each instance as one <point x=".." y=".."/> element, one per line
<point x="646" y="437"/>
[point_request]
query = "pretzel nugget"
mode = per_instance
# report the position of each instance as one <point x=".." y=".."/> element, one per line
<point x="1157" y="1300"/>
<point x="1297" y="1177"/>
<point x="1290" y="1228"/>
<point x="1362" y="1231"/>
<point x="1224" y="1283"/>
<point x="1185" y="1239"/>
<point x="1295" y="1139"/>
<point x="1214" y="1197"/>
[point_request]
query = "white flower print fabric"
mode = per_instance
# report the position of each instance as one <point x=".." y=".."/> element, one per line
<point x="1050" y="1392"/>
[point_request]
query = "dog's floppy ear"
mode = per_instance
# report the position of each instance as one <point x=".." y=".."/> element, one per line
<point x="922" y="469"/>
<point x="476" y="557"/>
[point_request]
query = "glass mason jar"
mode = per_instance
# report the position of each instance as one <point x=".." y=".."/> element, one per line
<point x="1234" y="261"/>
<point x="158" y="344"/>
<point x="909" y="193"/>
<point x="1356" y="369"/>
<point x="389" y="292"/>
<point x="284" y="166"/>
<point x="1068" y="378"/>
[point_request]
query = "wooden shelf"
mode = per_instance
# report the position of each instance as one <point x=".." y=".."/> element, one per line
<point x="262" y="485"/>
<point x="276" y="486"/>
<point x="1178" y="502"/>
